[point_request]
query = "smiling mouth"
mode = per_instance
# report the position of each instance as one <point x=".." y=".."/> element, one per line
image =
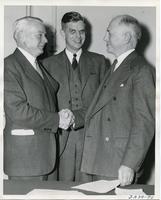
<point x="78" y="42"/>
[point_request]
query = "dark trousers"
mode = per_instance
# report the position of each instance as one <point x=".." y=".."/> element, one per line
<point x="90" y="177"/>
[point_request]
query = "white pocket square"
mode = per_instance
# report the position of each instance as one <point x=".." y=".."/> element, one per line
<point x="22" y="132"/>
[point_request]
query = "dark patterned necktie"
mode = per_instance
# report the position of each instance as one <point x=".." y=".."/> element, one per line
<point x="74" y="61"/>
<point x="113" y="65"/>
<point x="37" y="67"/>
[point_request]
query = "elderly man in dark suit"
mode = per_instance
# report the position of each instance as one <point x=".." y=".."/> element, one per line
<point x="120" y="121"/>
<point x="30" y="106"/>
<point x="79" y="73"/>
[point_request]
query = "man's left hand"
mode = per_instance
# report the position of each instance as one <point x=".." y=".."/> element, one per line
<point x="125" y="175"/>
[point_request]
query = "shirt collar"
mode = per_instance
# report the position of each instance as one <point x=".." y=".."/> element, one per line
<point x="70" y="55"/>
<point x="122" y="57"/>
<point x="28" y="56"/>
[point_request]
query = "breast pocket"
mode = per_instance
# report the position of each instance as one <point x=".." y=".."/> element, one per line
<point x="93" y="80"/>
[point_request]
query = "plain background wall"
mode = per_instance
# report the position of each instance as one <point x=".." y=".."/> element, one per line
<point x="98" y="18"/>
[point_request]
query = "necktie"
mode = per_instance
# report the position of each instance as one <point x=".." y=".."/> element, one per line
<point x="37" y="67"/>
<point x="74" y="61"/>
<point x="113" y="65"/>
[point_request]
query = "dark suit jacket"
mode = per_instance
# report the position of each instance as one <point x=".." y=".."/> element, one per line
<point x="29" y="103"/>
<point x="93" y="68"/>
<point x="120" y="121"/>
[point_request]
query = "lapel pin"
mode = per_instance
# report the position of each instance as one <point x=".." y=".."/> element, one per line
<point x="122" y="85"/>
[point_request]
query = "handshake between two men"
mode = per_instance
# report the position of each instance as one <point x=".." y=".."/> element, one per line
<point x="66" y="119"/>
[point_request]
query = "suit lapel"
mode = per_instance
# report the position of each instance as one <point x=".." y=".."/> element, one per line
<point x="110" y="85"/>
<point x="28" y="68"/>
<point x="48" y="78"/>
<point x="65" y="73"/>
<point x="62" y="69"/>
<point x="97" y="95"/>
<point x="51" y="87"/>
<point x="85" y="68"/>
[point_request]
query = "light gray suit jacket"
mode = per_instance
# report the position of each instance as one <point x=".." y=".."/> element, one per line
<point x="120" y="121"/>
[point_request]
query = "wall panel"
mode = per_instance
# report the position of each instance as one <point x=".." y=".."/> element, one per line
<point x="11" y="13"/>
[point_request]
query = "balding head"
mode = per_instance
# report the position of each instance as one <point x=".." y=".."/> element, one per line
<point x="20" y="25"/>
<point x="131" y="25"/>
<point x="29" y="34"/>
<point x="122" y="34"/>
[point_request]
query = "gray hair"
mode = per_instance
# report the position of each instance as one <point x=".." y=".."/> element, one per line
<point x="133" y="23"/>
<point x="22" y="23"/>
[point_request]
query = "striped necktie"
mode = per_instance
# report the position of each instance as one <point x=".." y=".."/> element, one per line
<point x="37" y="67"/>
<point x="113" y="65"/>
<point x="74" y="61"/>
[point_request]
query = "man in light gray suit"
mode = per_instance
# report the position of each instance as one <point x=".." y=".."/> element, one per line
<point x="120" y="121"/>
<point x="30" y="106"/>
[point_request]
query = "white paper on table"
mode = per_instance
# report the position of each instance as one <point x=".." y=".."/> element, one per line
<point x="121" y="191"/>
<point x="54" y="192"/>
<point x="101" y="186"/>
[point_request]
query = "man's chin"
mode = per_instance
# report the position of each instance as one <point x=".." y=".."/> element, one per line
<point x="78" y="46"/>
<point x="108" y="50"/>
<point x="40" y="51"/>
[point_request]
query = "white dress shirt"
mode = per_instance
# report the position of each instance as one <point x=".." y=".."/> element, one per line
<point x="122" y="57"/>
<point x="29" y="57"/>
<point x="32" y="60"/>
<point x="70" y="55"/>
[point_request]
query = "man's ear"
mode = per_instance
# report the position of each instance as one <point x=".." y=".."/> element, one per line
<point x="62" y="33"/>
<point x="21" y="36"/>
<point x="127" y="37"/>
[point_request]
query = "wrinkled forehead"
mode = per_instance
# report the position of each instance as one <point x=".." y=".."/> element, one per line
<point x="79" y="25"/>
<point x="116" y="26"/>
<point x="35" y="26"/>
<point x="115" y="23"/>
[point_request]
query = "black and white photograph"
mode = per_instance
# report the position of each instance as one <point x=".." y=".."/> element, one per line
<point x="80" y="99"/>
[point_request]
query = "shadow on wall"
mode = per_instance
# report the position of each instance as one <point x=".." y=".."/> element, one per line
<point x="89" y="39"/>
<point x="148" y="165"/>
<point x="50" y="47"/>
<point x="149" y="162"/>
<point x="144" y="41"/>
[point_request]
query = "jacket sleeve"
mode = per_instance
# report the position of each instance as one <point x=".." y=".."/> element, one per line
<point x="143" y="123"/>
<point x="17" y="108"/>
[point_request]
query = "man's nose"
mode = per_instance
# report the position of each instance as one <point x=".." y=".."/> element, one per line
<point x="105" y="37"/>
<point x="78" y="34"/>
<point x="45" y="40"/>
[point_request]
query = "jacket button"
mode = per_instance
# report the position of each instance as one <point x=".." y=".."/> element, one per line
<point x="114" y="98"/>
<point x="69" y="101"/>
<point x="104" y="86"/>
<point x="108" y="119"/>
<point x="107" y="139"/>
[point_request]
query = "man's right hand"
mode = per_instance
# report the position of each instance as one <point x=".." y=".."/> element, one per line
<point x="66" y="118"/>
